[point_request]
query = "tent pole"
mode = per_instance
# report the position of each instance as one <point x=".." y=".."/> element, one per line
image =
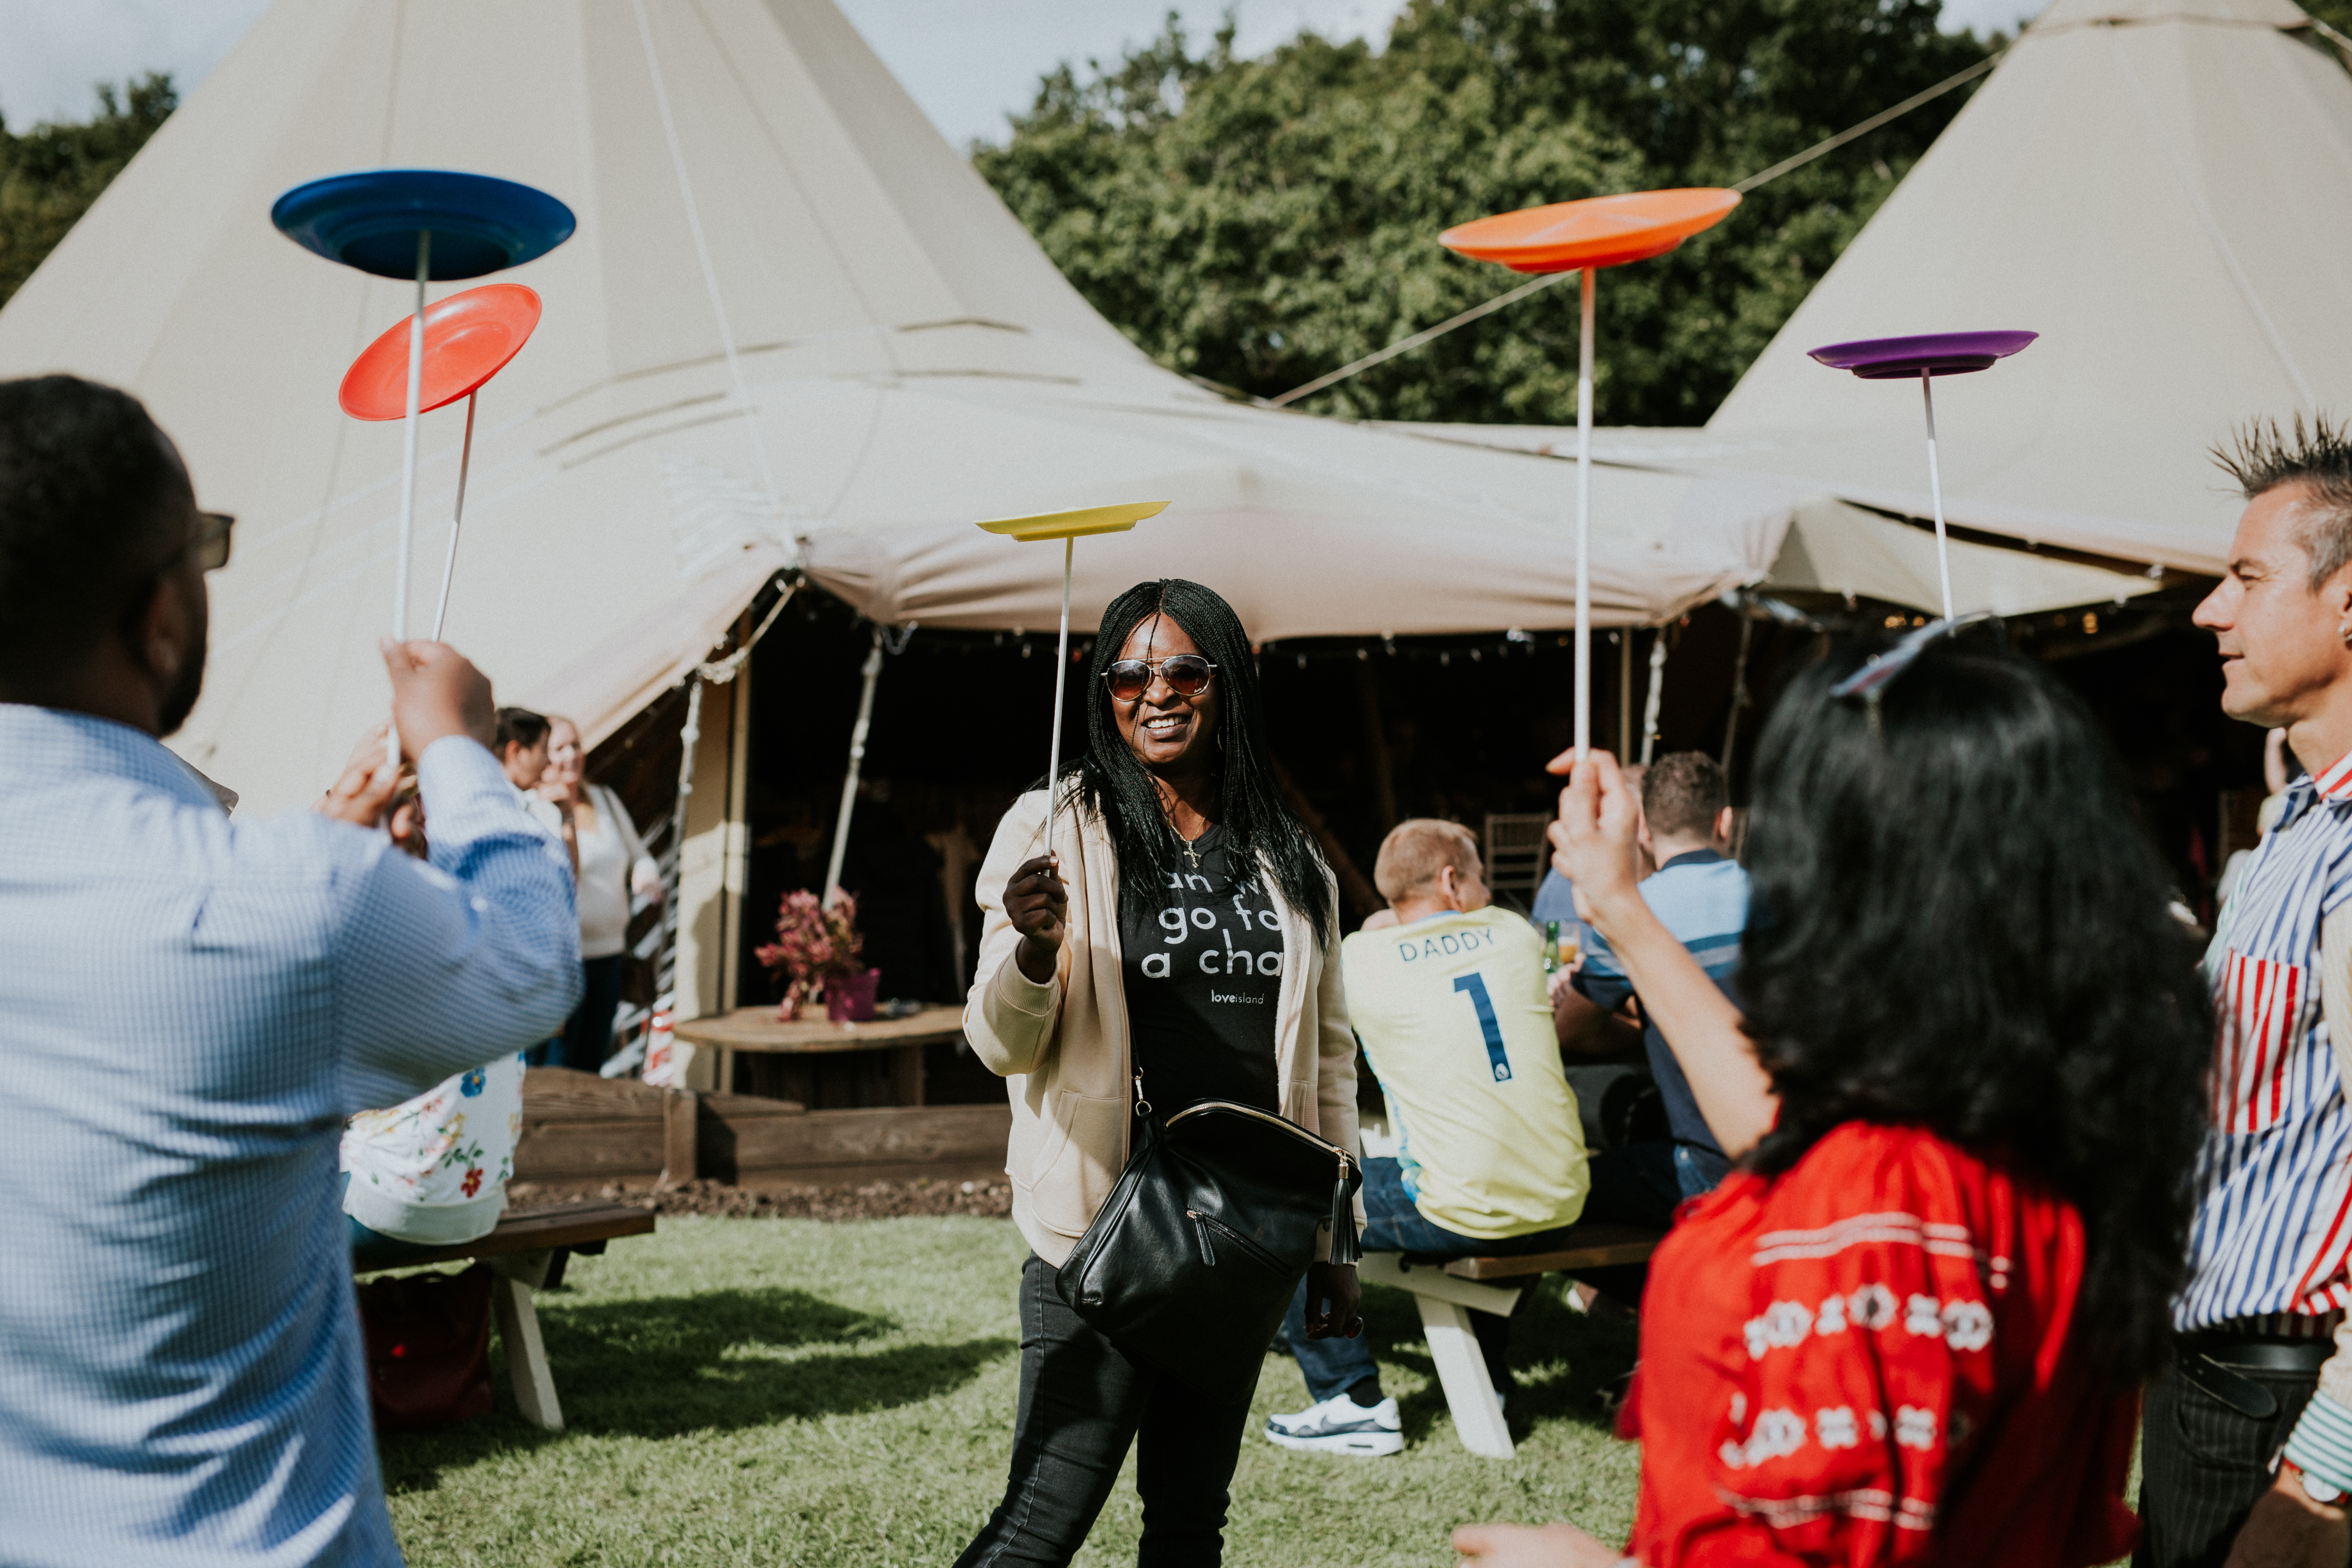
<point x="457" y="518"/>
<point x="1657" y="685"/>
<point x="856" y="763"/>
<point x="688" y="737"/>
<point x="1624" y="693"/>
<point x="674" y="880"/>
<point x="1738" y="686"/>
<point x="1584" y="519"/>
<point x="1936" y="489"/>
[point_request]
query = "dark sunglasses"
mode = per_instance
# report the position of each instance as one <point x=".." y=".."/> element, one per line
<point x="210" y="545"/>
<point x="1875" y="676"/>
<point x="1187" y="675"/>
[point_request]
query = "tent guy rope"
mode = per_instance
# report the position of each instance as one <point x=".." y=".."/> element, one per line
<point x="702" y="254"/>
<point x="1487" y="308"/>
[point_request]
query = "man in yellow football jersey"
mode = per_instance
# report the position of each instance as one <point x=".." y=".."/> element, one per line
<point x="1450" y="1002"/>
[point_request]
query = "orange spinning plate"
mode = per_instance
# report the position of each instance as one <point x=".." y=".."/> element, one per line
<point x="1600" y="231"/>
<point x="468" y="338"/>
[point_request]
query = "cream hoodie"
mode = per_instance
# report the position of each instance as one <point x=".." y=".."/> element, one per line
<point x="1062" y="1046"/>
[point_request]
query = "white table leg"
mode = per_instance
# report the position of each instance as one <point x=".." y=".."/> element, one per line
<point x="1446" y="1303"/>
<point x="534" y="1383"/>
<point x="1462" y="1372"/>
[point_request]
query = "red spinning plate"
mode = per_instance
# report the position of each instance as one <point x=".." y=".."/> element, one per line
<point x="468" y="338"/>
<point x="1600" y="231"/>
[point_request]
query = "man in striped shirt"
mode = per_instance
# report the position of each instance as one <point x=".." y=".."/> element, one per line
<point x="2247" y="1448"/>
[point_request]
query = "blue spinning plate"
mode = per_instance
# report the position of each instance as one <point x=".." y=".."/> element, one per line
<point x="371" y="220"/>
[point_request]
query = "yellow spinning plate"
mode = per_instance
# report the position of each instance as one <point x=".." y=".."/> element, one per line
<point x="1068" y="527"/>
<point x="1074" y="524"/>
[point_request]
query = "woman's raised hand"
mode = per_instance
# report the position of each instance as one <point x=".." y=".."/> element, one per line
<point x="1035" y="903"/>
<point x="1595" y="843"/>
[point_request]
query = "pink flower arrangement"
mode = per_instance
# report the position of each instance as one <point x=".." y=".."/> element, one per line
<point x="813" y="944"/>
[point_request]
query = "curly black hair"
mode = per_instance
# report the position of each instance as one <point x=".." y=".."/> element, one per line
<point x="1958" y="925"/>
<point x="1251" y="808"/>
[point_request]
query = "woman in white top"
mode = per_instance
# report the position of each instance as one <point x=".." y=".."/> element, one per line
<point x="613" y="864"/>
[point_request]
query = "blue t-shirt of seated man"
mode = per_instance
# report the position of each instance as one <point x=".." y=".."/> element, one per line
<point x="1555" y="900"/>
<point x="1701" y="897"/>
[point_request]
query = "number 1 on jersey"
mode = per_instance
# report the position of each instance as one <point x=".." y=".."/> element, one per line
<point x="1476" y="985"/>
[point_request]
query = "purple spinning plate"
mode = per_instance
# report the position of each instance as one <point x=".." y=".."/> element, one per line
<point x="1936" y="353"/>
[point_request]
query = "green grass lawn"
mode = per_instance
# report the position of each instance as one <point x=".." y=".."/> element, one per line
<point x="787" y="1392"/>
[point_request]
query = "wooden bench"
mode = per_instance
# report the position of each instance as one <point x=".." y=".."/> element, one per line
<point x="1447" y="1292"/>
<point x="527" y="1252"/>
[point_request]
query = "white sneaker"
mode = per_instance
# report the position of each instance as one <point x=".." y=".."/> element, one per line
<point x="1340" y="1426"/>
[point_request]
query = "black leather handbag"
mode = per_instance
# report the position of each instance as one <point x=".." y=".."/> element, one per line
<point x="1192" y="1261"/>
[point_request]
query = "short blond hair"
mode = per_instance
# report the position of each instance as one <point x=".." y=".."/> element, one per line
<point x="1417" y="850"/>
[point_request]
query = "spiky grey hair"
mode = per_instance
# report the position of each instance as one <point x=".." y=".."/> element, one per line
<point x="2263" y="455"/>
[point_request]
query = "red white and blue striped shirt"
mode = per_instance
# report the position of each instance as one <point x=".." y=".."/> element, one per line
<point x="2273" y="1221"/>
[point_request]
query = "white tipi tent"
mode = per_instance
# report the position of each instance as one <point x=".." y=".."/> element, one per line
<point x="1831" y="546"/>
<point x="913" y="363"/>
<point x="2161" y="188"/>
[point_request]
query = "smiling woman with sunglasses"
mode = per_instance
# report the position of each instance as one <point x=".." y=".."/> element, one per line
<point x="1912" y="1324"/>
<point x="1177" y="944"/>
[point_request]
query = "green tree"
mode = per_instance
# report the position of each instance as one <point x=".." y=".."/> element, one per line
<point x="50" y="175"/>
<point x="1259" y="222"/>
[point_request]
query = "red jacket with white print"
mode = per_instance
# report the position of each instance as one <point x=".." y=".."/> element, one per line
<point x="1867" y="1359"/>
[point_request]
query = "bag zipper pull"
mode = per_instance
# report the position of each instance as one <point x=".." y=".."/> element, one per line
<point x="1142" y="1106"/>
<point x="1201" y="1229"/>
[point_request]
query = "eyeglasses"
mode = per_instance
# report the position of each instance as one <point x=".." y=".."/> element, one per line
<point x="1187" y="675"/>
<point x="1875" y="676"/>
<point x="210" y="546"/>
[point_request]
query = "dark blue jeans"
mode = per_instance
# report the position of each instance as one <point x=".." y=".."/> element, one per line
<point x="372" y="1250"/>
<point x="1635" y="1185"/>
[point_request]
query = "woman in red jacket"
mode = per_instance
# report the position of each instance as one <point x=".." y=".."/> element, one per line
<point x="1912" y="1326"/>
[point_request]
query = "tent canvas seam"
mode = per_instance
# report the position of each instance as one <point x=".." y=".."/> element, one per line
<point x="2212" y="225"/>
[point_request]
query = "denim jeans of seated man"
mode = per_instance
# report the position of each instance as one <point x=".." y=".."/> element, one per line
<point x="1630" y="1186"/>
<point x="371" y="1249"/>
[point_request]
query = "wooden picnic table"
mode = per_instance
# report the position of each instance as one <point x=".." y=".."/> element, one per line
<point x="897" y="1045"/>
<point x="526" y="1253"/>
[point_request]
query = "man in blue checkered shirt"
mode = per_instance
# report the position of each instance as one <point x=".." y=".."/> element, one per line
<point x="189" y="1010"/>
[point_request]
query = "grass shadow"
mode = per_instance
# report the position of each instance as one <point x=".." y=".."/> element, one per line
<point x="716" y="1360"/>
<point x="1563" y="1360"/>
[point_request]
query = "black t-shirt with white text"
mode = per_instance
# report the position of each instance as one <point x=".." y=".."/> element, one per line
<point x="1203" y="971"/>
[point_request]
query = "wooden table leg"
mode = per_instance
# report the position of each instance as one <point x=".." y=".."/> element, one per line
<point x="1446" y="1306"/>
<point x="907" y="1075"/>
<point x="514" y="1277"/>
<point x="1462" y="1372"/>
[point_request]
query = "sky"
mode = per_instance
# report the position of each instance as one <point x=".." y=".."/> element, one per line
<point x="967" y="62"/>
